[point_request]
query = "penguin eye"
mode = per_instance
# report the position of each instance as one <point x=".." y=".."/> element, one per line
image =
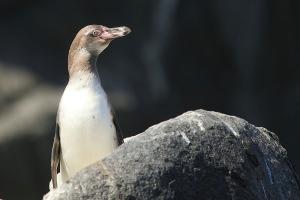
<point x="95" y="33"/>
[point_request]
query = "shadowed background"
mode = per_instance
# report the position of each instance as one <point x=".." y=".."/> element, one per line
<point x="238" y="57"/>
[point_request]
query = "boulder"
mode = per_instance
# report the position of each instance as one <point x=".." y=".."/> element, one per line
<point x="197" y="155"/>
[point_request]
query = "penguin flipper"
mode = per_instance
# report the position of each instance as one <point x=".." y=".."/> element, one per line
<point x="120" y="139"/>
<point x="118" y="131"/>
<point x="55" y="156"/>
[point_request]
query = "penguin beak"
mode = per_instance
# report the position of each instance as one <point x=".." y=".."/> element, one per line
<point x="109" y="34"/>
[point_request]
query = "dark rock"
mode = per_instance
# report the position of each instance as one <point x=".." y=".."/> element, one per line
<point x="198" y="155"/>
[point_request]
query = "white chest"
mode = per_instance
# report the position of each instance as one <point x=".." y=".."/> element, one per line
<point x="87" y="132"/>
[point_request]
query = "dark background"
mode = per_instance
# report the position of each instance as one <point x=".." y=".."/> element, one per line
<point x="238" y="57"/>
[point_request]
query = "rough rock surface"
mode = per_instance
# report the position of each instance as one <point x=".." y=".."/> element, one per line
<point x="198" y="155"/>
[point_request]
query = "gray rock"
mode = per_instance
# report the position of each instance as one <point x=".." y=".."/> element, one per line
<point x="198" y="155"/>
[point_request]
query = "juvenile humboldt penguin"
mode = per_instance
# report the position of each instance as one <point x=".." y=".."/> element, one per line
<point x="85" y="128"/>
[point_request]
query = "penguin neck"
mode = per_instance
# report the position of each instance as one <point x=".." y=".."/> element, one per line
<point x="80" y="60"/>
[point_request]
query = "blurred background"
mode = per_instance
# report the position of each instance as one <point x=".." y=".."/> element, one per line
<point x="239" y="57"/>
